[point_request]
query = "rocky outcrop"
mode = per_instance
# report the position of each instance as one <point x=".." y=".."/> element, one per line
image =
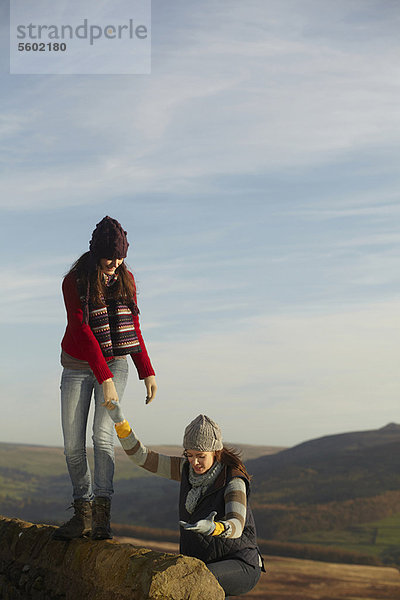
<point x="33" y="566"/>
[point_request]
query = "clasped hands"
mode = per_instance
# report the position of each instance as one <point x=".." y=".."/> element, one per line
<point x="111" y="396"/>
<point x="205" y="526"/>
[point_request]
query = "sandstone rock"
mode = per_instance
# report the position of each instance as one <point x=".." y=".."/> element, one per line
<point x="33" y="565"/>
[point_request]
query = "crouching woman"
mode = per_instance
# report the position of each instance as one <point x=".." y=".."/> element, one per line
<point x="217" y="524"/>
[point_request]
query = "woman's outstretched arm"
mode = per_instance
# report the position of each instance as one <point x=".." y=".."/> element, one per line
<point x="169" y="467"/>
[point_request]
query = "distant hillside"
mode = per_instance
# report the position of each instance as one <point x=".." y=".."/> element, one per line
<point x="330" y="444"/>
<point x="343" y="487"/>
<point x="34" y="485"/>
<point x="347" y="483"/>
<point x="331" y="468"/>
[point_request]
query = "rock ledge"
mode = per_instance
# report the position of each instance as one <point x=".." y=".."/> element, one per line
<point x="33" y="566"/>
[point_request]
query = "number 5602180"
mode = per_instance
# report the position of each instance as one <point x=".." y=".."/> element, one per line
<point x="42" y="47"/>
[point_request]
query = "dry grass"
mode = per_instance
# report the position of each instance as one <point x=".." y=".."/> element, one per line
<point x="295" y="579"/>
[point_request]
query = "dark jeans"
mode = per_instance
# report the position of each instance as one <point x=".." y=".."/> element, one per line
<point x="235" y="576"/>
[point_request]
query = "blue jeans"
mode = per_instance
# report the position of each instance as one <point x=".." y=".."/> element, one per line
<point x="235" y="576"/>
<point x="76" y="395"/>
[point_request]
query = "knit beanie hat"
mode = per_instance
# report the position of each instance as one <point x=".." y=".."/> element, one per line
<point x="108" y="240"/>
<point x="203" y="434"/>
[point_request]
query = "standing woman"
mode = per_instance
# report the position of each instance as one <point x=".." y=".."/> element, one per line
<point x="217" y="524"/>
<point x="102" y="329"/>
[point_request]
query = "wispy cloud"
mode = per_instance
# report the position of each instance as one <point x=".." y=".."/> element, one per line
<point x="31" y="292"/>
<point x="275" y="379"/>
<point x="259" y="97"/>
<point x="256" y="171"/>
<point x="302" y="374"/>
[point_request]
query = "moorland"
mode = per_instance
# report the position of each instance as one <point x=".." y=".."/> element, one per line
<point x="335" y="498"/>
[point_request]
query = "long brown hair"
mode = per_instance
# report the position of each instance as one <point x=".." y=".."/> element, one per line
<point x="124" y="288"/>
<point x="232" y="458"/>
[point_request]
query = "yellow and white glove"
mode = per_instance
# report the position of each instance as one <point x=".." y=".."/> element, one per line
<point x="205" y="526"/>
<point x="122" y="426"/>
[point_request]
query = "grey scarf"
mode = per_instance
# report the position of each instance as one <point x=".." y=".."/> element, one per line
<point x="199" y="484"/>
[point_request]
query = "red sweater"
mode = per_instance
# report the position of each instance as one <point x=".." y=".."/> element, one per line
<point x="80" y="342"/>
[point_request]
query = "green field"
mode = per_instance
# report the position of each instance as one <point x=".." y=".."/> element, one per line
<point x="378" y="538"/>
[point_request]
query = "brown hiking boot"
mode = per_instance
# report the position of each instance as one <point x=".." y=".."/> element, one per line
<point x="80" y="524"/>
<point x="101" y="529"/>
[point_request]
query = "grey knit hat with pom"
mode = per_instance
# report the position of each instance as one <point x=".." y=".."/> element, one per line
<point x="203" y="434"/>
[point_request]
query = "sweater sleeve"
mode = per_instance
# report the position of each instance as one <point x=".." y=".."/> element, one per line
<point x="79" y="340"/>
<point x="141" y="359"/>
<point x="235" y="508"/>
<point x="169" y="467"/>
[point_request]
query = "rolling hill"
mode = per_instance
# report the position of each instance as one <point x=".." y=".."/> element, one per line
<point x="34" y="485"/>
<point x="331" y="468"/>
<point x="339" y="490"/>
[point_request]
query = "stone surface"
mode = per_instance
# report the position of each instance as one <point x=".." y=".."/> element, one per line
<point x="34" y="566"/>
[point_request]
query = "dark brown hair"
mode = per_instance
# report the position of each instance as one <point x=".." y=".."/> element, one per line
<point x="124" y="288"/>
<point x="232" y="458"/>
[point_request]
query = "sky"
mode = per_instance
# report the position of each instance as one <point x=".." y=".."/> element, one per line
<point x="256" y="172"/>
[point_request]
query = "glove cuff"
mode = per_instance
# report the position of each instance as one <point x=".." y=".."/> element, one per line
<point x="123" y="429"/>
<point x="219" y="528"/>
